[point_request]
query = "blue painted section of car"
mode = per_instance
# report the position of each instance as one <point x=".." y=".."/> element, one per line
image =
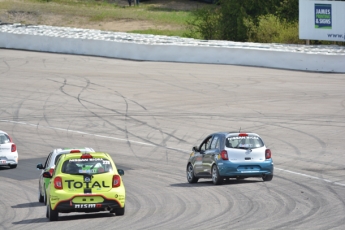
<point x="230" y="169"/>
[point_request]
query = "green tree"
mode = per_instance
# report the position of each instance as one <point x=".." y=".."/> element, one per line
<point x="288" y="10"/>
<point x="227" y="20"/>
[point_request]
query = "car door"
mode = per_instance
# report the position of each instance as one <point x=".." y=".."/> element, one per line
<point x="204" y="146"/>
<point x="198" y="156"/>
<point x="197" y="162"/>
<point x="42" y="179"/>
<point x="210" y="153"/>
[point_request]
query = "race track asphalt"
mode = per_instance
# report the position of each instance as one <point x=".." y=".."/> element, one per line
<point x="149" y="115"/>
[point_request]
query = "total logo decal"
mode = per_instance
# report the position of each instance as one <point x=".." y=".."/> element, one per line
<point x="88" y="206"/>
<point x="77" y="184"/>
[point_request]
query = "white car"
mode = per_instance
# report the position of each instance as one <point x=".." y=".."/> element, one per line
<point x="8" y="151"/>
<point x="49" y="166"/>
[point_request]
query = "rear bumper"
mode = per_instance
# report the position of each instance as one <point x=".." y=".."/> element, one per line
<point x="6" y="161"/>
<point x="87" y="202"/>
<point x="69" y="206"/>
<point x="229" y="169"/>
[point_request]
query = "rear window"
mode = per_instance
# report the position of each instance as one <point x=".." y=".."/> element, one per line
<point x="244" y="142"/>
<point x="57" y="158"/>
<point x="4" y="139"/>
<point x="87" y="166"/>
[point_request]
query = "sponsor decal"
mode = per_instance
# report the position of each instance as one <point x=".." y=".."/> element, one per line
<point x="4" y="148"/>
<point x="78" y="184"/>
<point x="87" y="179"/>
<point x="87" y="159"/>
<point x="88" y="206"/>
<point x="119" y="197"/>
<point x="245" y="146"/>
<point x="88" y="171"/>
<point x="323" y="16"/>
<point x="241" y="138"/>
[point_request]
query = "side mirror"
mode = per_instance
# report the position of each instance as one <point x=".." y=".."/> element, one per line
<point x="121" y="172"/>
<point x="39" y="166"/>
<point x="195" y="149"/>
<point x="47" y="175"/>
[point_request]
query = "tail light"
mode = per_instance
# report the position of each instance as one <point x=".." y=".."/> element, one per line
<point x="13" y="148"/>
<point x="116" y="181"/>
<point x="242" y="135"/>
<point x="86" y="156"/>
<point x="268" y="154"/>
<point x="74" y="151"/>
<point x="58" y="182"/>
<point x="51" y="171"/>
<point x="224" y="155"/>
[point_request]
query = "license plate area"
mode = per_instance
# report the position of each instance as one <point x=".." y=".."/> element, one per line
<point x="88" y="199"/>
<point x="87" y="206"/>
<point x="249" y="168"/>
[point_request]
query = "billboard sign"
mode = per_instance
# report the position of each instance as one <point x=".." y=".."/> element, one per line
<point x="322" y="20"/>
<point x="323" y="16"/>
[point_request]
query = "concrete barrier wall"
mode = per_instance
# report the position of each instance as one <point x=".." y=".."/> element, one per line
<point x="171" y="49"/>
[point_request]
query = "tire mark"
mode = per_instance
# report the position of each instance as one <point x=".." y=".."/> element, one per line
<point x="8" y="68"/>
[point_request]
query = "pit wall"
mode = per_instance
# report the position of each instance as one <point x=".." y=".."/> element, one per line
<point x="171" y="49"/>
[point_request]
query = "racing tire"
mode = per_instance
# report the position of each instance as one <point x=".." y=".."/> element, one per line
<point x="53" y="215"/>
<point x="47" y="213"/>
<point x="216" y="178"/>
<point x="118" y="211"/>
<point x="13" y="166"/>
<point x="45" y="197"/>
<point x="40" y="197"/>
<point x="190" y="174"/>
<point x="267" y="177"/>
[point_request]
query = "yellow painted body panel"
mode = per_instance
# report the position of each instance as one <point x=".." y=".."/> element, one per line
<point x="74" y="187"/>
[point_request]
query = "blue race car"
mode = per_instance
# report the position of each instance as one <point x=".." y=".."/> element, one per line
<point x="227" y="155"/>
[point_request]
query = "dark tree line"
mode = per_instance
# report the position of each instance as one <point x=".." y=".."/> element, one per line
<point x="226" y="20"/>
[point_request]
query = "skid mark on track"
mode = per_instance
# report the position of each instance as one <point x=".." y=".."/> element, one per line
<point x="314" y="199"/>
<point x="7" y="67"/>
<point x="113" y="110"/>
<point x="154" y="145"/>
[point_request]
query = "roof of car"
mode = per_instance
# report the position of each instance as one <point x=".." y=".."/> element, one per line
<point x="67" y="150"/>
<point x="93" y="154"/>
<point x="227" y="132"/>
<point x="235" y="132"/>
<point x="240" y="131"/>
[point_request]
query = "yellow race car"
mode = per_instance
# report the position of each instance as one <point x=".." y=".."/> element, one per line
<point x="85" y="182"/>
